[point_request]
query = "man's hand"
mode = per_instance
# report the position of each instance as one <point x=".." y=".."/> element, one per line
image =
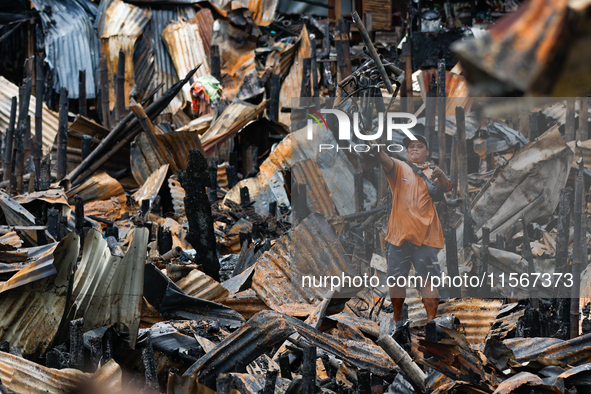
<point x="440" y="177"/>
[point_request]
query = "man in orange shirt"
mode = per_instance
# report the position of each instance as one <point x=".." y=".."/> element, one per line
<point x="414" y="233"/>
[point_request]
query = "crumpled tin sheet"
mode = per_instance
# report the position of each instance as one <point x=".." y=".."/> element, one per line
<point x="198" y="284"/>
<point x="575" y="351"/>
<point x="98" y="187"/>
<point x="178" y="196"/>
<point x="17" y="215"/>
<point x="292" y="85"/>
<point x="51" y="196"/>
<point x="119" y="29"/>
<point x="20" y="375"/>
<point x="39" y="305"/>
<point x="318" y="196"/>
<point x="151" y="187"/>
<point x="108" y="289"/>
<point x="8" y="90"/>
<point x="526" y="381"/>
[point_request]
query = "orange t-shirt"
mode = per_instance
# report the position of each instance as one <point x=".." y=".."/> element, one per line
<point x="413" y="217"/>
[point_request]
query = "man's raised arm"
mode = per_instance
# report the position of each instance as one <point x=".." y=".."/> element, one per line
<point x="386" y="161"/>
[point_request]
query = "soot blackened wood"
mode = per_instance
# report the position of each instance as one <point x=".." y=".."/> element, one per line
<point x="309" y="370"/>
<point x="79" y="203"/>
<point x="9" y="140"/>
<point x="201" y="235"/>
<point x="62" y="135"/>
<point x="76" y="344"/>
<point x="82" y="97"/>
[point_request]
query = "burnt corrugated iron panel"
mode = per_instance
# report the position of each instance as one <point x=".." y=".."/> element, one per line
<point x="10" y="241"/>
<point x="51" y="196"/>
<point x="263" y="11"/>
<point x="20" y="375"/>
<point x="246" y="302"/>
<point x="231" y="121"/>
<point x="151" y="186"/>
<point x="199" y="284"/>
<point x="39" y="269"/>
<point x="38" y="304"/>
<point x="71" y="43"/>
<point x="109" y="377"/>
<point x="318" y="196"/>
<point x="526" y="382"/>
<point x="476" y="315"/>
<point x="108" y="289"/>
<point x="100" y="186"/>
<point x="119" y="30"/>
<point x="312" y="250"/>
<point x="178" y="196"/>
<point x="8" y="90"/>
<point x="187" y="50"/>
<point x="575" y="351"/>
<point x="17" y="215"/>
<point x="84" y="126"/>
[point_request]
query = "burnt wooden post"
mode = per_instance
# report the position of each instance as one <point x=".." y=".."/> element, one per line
<point x="39" y="84"/>
<point x="120" y="87"/>
<point x="232" y="176"/>
<point x="313" y="65"/>
<point x="363" y="382"/>
<point x="149" y="365"/>
<point x="270" y="380"/>
<point x="284" y="366"/>
<point x="430" y="109"/>
<point x="342" y="47"/>
<point x="468" y="223"/>
<point x="9" y="141"/>
<point x="223" y="384"/>
<point x="451" y="251"/>
<point x="216" y="70"/>
<point x="96" y="351"/>
<point x="528" y="256"/>
<point x="82" y="93"/>
<point x="104" y="82"/>
<point x="534" y="127"/>
<point x="358" y="180"/>
<point x="274" y="93"/>
<point x="244" y="196"/>
<point x="406" y="56"/>
<point x="583" y="133"/>
<point x="79" y="213"/>
<point x="45" y="178"/>
<point x="577" y="259"/>
<point x="198" y="210"/>
<point x="18" y="159"/>
<point x="86" y="146"/>
<point x="62" y="135"/>
<point x="569" y="127"/>
<point x="562" y="236"/>
<point x="462" y="153"/>
<point x="76" y="344"/>
<point x="273" y="208"/>
<point x="213" y="180"/>
<point x="441" y="104"/>
<point x="309" y="370"/>
<point x="306" y="70"/>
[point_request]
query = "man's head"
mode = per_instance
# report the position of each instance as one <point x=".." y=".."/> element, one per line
<point x="417" y="150"/>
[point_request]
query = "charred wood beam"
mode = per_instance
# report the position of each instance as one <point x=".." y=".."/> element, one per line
<point x="451" y="252"/>
<point x="583" y="132"/>
<point x="314" y="65"/>
<point x="104" y="83"/>
<point x="82" y="96"/>
<point x="274" y="93"/>
<point x="469" y="236"/>
<point x="577" y="252"/>
<point x="9" y="140"/>
<point x="86" y="146"/>
<point x="569" y="127"/>
<point x="430" y="109"/>
<point x="39" y="85"/>
<point x="406" y="56"/>
<point x="120" y="87"/>
<point x="149" y="365"/>
<point x="201" y="235"/>
<point x="358" y="186"/>
<point x="216" y="70"/>
<point x="284" y="366"/>
<point x="415" y="375"/>
<point x="441" y="105"/>
<point x="462" y="187"/>
<point x="363" y="381"/>
<point x="309" y="370"/>
<point x="223" y="384"/>
<point x="306" y="89"/>
<point x="528" y="256"/>
<point x="62" y="136"/>
<point x="79" y="213"/>
<point x="76" y="344"/>
<point x="270" y="381"/>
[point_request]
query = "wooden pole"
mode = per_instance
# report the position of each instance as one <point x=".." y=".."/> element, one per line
<point x="82" y="93"/>
<point x="309" y="370"/>
<point x="462" y="153"/>
<point x="120" y="87"/>
<point x="39" y="84"/>
<point x="430" y="109"/>
<point x="569" y="131"/>
<point x="577" y="259"/>
<point x="583" y="133"/>
<point x="9" y="141"/>
<point x="401" y="358"/>
<point x="441" y="104"/>
<point x="62" y="135"/>
<point x="104" y="81"/>
<point x="528" y="256"/>
<point x="406" y="56"/>
<point x="216" y="70"/>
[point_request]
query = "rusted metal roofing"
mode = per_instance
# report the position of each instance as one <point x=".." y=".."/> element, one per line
<point x="84" y="126"/>
<point x="231" y="121"/>
<point x="476" y="315"/>
<point x="246" y="302"/>
<point x="199" y="284"/>
<point x="109" y="377"/>
<point x="10" y="241"/>
<point x="269" y="184"/>
<point x="39" y="269"/>
<point x="50" y="118"/>
<point x="187" y="49"/>
<point x="100" y="186"/>
<point x="20" y="375"/>
<point x="318" y="195"/>
<point x="108" y="289"/>
<point x="151" y="186"/>
<point x="526" y="381"/>
<point x="575" y="351"/>
<point x="178" y="196"/>
<point x="17" y="215"/>
<point x="515" y="188"/>
<point x="119" y="29"/>
<point x="71" y="43"/>
<point x="51" y="196"/>
<point x="38" y="304"/>
<point x="312" y="250"/>
<point x="292" y="85"/>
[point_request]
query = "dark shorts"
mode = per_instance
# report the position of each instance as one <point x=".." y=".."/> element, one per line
<point x="424" y="259"/>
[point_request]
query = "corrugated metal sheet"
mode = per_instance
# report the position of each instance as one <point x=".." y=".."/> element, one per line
<point x="51" y="196"/>
<point x="98" y="187"/>
<point x="84" y="126"/>
<point x="109" y="377"/>
<point x="575" y="351"/>
<point x="108" y="289"/>
<point x="39" y="269"/>
<point x="263" y="11"/>
<point x="20" y="375"/>
<point x="313" y="249"/>
<point x="120" y="28"/>
<point x="231" y="121"/>
<point x="10" y="241"/>
<point x="71" y="43"/>
<point x="16" y="215"/>
<point x="38" y="304"/>
<point x="246" y="302"/>
<point x="292" y="85"/>
<point x="269" y="184"/>
<point x="318" y="196"/>
<point x="151" y="186"/>
<point x="178" y="196"/>
<point x="187" y="50"/>
<point x="8" y="90"/>
<point x="200" y="285"/>
<point x="524" y="382"/>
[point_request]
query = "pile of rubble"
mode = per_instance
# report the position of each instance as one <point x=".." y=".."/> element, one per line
<point x="158" y="217"/>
